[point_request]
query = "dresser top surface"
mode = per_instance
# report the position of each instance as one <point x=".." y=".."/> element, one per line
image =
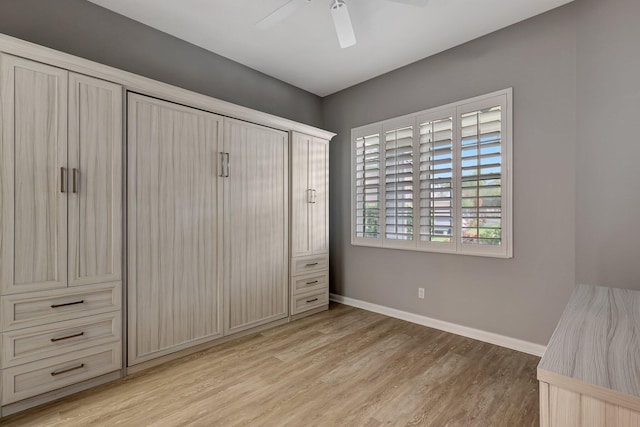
<point x="597" y="340"/>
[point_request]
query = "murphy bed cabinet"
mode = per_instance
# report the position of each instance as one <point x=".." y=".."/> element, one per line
<point x="174" y="233"/>
<point x="309" y="223"/>
<point x="256" y="225"/>
<point x="61" y="228"/>
<point x="224" y="231"/>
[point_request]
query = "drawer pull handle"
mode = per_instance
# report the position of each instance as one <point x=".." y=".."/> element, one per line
<point x="312" y="283"/>
<point x="66" y="338"/>
<point x="67" y="303"/>
<point x="312" y="300"/>
<point x="64" y="371"/>
<point x="311" y="264"/>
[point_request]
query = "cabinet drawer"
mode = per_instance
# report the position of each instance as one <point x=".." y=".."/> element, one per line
<point x="38" y="308"/>
<point x="307" y="302"/>
<point x="310" y="264"/>
<point x="30" y="379"/>
<point x="39" y="342"/>
<point x="310" y="283"/>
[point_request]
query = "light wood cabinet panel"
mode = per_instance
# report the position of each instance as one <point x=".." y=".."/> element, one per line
<point x="95" y="168"/>
<point x="319" y="183"/>
<point x="300" y="195"/>
<point x="301" y="303"/>
<point x="310" y="283"/>
<point x="565" y="407"/>
<point x="562" y="407"/>
<point x="309" y="195"/>
<point x="256" y="225"/>
<point x="309" y="264"/>
<point x="39" y="308"/>
<point x="174" y="296"/>
<point x="27" y="380"/>
<point x="39" y="342"/>
<point x="34" y="153"/>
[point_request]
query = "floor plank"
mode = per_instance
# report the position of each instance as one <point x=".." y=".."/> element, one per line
<point x="343" y="367"/>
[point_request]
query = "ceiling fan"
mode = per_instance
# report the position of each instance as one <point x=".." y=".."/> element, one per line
<point x="339" y="13"/>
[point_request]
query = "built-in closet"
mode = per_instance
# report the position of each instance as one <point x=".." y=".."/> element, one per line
<point x="140" y="222"/>
<point x="61" y="227"/>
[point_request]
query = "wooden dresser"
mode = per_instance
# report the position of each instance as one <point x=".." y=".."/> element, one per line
<point x="590" y="372"/>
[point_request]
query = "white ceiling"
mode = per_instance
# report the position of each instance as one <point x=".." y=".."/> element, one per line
<point x="303" y="49"/>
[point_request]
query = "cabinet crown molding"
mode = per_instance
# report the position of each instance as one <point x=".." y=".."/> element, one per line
<point x="147" y="86"/>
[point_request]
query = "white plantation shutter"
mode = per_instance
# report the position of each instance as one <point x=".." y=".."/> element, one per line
<point x="481" y="176"/>
<point x="436" y="180"/>
<point x="439" y="180"/>
<point x="367" y="186"/>
<point x="399" y="183"/>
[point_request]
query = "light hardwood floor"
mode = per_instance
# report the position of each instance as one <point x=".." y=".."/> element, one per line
<point x="343" y="367"/>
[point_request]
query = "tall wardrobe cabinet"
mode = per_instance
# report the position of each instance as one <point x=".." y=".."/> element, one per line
<point x="309" y="223"/>
<point x="61" y="227"/>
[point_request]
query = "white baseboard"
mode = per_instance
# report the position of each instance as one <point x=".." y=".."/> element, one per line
<point x="465" y="331"/>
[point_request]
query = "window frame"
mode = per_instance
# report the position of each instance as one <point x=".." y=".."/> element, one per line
<point x="502" y="98"/>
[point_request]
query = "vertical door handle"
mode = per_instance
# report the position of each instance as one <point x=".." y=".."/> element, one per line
<point x="63" y="173"/>
<point x="313" y="200"/>
<point x="228" y="161"/>
<point x="309" y="196"/>
<point x="221" y="174"/>
<point x="76" y="178"/>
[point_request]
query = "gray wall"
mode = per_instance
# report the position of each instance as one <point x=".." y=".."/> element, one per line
<point x="520" y="297"/>
<point x="576" y="78"/>
<point x="89" y="31"/>
<point x="608" y="156"/>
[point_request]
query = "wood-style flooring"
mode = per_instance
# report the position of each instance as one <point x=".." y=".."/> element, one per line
<point x="343" y="367"/>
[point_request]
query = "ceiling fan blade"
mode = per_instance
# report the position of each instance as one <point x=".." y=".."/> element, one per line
<point x="280" y="13"/>
<point x="342" y="22"/>
<point x="420" y="3"/>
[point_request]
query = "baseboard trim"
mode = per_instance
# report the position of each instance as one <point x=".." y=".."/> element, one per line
<point x="465" y="331"/>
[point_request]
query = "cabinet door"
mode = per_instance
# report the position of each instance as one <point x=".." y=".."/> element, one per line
<point x="174" y="297"/>
<point x="95" y="167"/>
<point x="319" y="182"/>
<point x="300" y="195"/>
<point x="33" y="161"/>
<point x="256" y="225"/>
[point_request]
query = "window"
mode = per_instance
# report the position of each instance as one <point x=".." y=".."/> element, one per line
<point x="438" y="180"/>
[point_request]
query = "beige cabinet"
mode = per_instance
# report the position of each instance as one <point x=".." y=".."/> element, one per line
<point x="309" y="223"/>
<point x="256" y="251"/>
<point x="34" y="176"/>
<point x="95" y="181"/>
<point x="174" y="237"/>
<point x="61" y="224"/>
<point x="309" y="195"/>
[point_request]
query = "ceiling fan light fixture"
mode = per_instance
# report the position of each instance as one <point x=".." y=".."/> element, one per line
<point x="342" y="22"/>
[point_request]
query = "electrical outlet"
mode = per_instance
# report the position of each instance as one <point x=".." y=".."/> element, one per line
<point x="421" y="293"/>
